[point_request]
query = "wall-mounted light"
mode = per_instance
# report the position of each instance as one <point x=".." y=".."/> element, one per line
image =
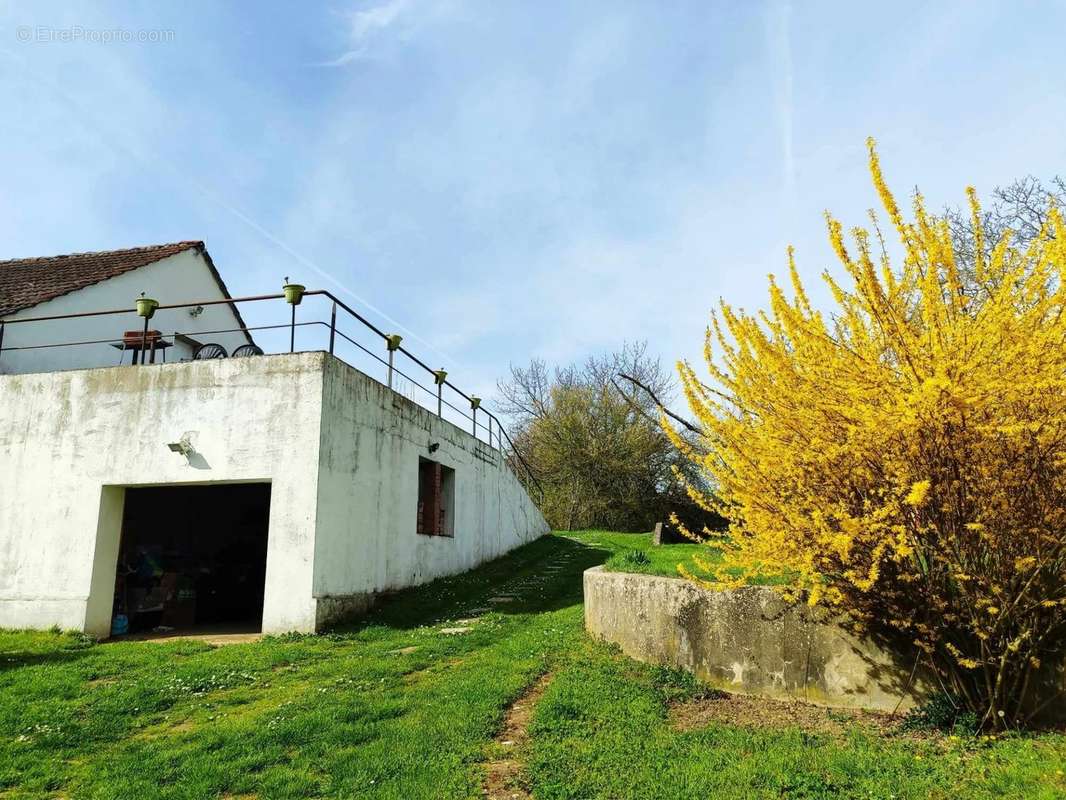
<point x="434" y="447"/>
<point x="195" y="312"/>
<point x="183" y="446"/>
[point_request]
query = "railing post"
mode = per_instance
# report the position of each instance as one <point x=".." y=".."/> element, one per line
<point x="332" y="326"/>
<point x="392" y="341"/>
<point x="144" y="339"/>
<point x="292" y="331"/>
<point x="294" y="293"/>
<point x="475" y="402"/>
<point x="146" y="307"/>
<point x="490" y="430"/>
<point x="440" y="376"/>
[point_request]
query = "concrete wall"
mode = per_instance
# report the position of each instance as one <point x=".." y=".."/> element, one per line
<point x="183" y="277"/>
<point x="71" y="441"/>
<point x="367" y="543"/>
<point x="339" y="450"/>
<point x="745" y="640"/>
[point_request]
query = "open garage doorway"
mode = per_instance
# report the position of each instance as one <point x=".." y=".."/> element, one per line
<point x="192" y="559"/>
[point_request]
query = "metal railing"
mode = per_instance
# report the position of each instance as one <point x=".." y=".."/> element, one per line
<point x="146" y="345"/>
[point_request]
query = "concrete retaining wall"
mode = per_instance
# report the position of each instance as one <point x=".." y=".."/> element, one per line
<point x="745" y="640"/>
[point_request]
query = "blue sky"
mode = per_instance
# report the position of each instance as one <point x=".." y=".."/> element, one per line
<point x="513" y="179"/>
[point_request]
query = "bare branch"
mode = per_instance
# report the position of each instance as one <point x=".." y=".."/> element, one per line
<point x="680" y="420"/>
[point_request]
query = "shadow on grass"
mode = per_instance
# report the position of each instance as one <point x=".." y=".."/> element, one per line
<point x="544" y="575"/>
<point x="16" y="659"/>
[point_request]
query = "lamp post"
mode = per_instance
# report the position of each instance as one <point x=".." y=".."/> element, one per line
<point x="392" y="341"/>
<point x="146" y="307"/>
<point x="294" y="293"/>
<point x="439" y="376"/>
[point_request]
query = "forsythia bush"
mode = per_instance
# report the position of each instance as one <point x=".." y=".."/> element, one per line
<point x="903" y="460"/>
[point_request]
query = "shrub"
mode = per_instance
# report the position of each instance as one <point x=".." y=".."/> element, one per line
<point x="941" y="712"/>
<point x="636" y="558"/>
<point x="903" y="460"/>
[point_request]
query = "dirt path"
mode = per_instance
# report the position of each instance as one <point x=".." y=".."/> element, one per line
<point x="503" y="772"/>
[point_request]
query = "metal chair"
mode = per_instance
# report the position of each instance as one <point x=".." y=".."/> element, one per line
<point x="247" y="350"/>
<point x="209" y="350"/>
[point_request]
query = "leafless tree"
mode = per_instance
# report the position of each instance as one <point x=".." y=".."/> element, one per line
<point x="1020" y="207"/>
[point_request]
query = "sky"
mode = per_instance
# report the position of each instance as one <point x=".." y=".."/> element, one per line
<point x="500" y="181"/>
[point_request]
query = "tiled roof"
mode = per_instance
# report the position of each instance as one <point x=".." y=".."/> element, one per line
<point x="26" y="282"/>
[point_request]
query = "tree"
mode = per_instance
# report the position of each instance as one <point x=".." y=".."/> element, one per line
<point x="1019" y="210"/>
<point x="596" y="447"/>
<point x="903" y="462"/>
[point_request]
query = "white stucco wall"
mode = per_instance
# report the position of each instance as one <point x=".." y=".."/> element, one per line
<point x="70" y="440"/>
<point x="367" y="542"/>
<point x="181" y="278"/>
<point x="339" y="449"/>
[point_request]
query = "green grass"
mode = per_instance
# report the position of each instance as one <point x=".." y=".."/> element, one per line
<point x="346" y="716"/>
<point x="662" y="560"/>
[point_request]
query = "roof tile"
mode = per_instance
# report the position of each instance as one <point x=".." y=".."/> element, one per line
<point x="26" y="282"/>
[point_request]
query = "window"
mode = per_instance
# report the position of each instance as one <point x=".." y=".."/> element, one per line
<point x="436" y="499"/>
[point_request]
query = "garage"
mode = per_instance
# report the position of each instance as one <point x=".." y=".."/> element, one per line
<point x="192" y="559"/>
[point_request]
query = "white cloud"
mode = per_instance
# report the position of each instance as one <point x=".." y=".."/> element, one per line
<point x="372" y="28"/>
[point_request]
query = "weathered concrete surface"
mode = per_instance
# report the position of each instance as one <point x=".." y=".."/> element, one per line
<point x="371" y="440"/>
<point x="745" y="640"/>
<point x="339" y="449"/>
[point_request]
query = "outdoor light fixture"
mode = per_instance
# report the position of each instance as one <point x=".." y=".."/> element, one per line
<point x="183" y="446"/>
<point x="475" y="402"/>
<point x="195" y="312"/>
<point x="294" y="292"/>
<point x="434" y="447"/>
<point x="439" y="376"/>
<point x="146" y="306"/>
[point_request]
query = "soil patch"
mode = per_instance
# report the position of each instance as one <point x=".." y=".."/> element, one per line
<point x="503" y="772"/>
<point x="763" y="712"/>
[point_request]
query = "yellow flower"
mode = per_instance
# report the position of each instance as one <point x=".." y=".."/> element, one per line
<point x="817" y="422"/>
<point x="916" y="496"/>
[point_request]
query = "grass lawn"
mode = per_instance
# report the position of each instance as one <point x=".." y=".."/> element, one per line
<point x="662" y="560"/>
<point x="394" y="708"/>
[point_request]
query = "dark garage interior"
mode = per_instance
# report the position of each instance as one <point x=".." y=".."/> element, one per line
<point x="192" y="558"/>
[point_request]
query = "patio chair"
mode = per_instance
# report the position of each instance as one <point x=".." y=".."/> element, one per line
<point x="209" y="350"/>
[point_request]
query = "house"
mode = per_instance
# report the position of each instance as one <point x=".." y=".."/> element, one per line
<point x="80" y="282"/>
<point x="278" y="492"/>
